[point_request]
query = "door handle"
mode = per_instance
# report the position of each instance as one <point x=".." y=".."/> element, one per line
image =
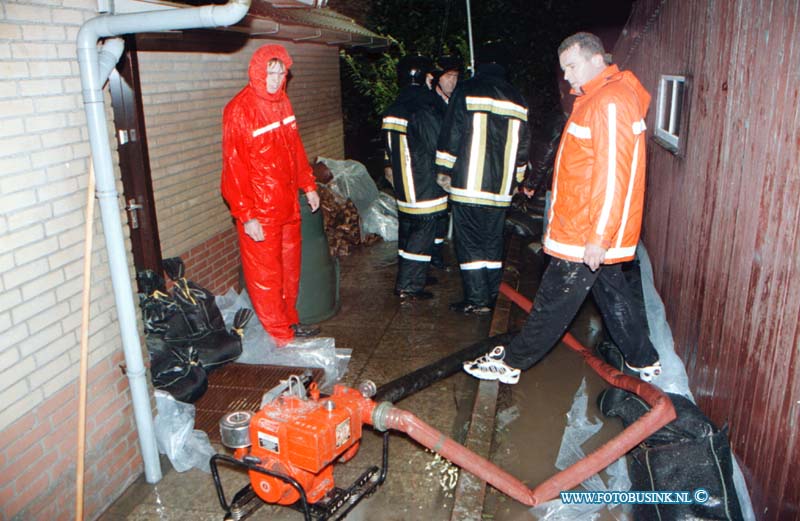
<point x="133" y="213"/>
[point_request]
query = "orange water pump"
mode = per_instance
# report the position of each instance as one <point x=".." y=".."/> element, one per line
<point x="302" y="438"/>
<point x="289" y="447"/>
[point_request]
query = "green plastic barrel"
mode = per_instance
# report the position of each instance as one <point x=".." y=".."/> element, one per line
<point x="318" y="298"/>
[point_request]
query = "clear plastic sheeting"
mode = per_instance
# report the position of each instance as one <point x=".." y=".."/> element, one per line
<point x="185" y="446"/>
<point x="673" y="377"/>
<point x="578" y="430"/>
<point x="377" y="210"/>
<point x="507" y="416"/>
<point x="381" y="218"/>
<point x="352" y="181"/>
<point x="258" y="347"/>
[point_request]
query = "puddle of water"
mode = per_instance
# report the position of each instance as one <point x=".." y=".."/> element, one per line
<point x="527" y="443"/>
<point x="161" y="510"/>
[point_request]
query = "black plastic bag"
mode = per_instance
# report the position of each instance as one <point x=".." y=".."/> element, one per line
<point x="158" y="308"/>
<point x="197" y="312"/>
<point x="185" y="332"/>
<point x="178" y="372"/>
<point x="221" y="347"/>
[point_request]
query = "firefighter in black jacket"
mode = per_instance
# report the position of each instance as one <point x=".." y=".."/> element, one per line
<point x="483" y="149"/>
<point x="411" y="128"/>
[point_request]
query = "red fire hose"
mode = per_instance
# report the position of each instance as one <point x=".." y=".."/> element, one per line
<point x="385" y="416"/>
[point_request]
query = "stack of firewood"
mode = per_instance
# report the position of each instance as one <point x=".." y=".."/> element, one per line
<point x="340" y="218"/>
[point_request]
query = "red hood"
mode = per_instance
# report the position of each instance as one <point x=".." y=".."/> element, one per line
<point x="258" y="70"/>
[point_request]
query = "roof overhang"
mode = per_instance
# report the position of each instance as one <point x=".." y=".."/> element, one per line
<point x="291" y="20"/>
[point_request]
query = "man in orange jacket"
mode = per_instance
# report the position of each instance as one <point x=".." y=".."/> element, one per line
<point x="594" y="221"/>
<point x="264" y="164"/>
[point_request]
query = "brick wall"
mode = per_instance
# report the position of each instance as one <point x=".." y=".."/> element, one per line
<point x="44" y="156"/>
<point x="215" y="263"/>
<point x="38" y="451"/>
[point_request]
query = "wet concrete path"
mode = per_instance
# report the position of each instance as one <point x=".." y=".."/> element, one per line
<point x="389" y="339"/>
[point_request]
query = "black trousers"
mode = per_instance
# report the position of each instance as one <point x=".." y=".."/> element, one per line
<point x="415" y="237"/>
<point x="564" y="287"/>
<point x="442" y="227"/>
<point x="478" y="238"/>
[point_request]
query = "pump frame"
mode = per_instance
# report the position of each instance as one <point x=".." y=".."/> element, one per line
<point x="245" y="502"/>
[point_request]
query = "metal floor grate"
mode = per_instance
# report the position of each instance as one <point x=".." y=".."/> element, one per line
<point x="239" y="387"/>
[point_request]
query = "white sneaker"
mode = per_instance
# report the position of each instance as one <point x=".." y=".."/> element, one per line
<point x="647" y="373"/>
<point x="492" y="367"/>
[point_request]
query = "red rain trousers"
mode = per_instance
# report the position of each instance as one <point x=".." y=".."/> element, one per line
<point x="264" y="166"/>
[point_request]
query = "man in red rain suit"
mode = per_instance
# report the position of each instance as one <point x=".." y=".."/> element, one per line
<point x="264" y="165"/>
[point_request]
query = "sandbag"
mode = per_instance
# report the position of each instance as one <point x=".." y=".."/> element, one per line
<point x="177" y="371"/>
<point x="158" y="308"/>
<point x="185" y="333"/>
<point x="198" y="313"/>
<point x="221" y="347"/>
<point x="687" y="454"/>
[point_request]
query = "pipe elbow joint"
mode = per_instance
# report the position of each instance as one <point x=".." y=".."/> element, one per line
<point x="380" y="416"/>
<point x="230" y="13"/>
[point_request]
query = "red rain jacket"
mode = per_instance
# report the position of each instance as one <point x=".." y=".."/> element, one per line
<point x="264" y="163"/>
<point x="599" y="176"/>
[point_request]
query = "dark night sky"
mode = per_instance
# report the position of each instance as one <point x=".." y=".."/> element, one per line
<point x="526" y="33"/>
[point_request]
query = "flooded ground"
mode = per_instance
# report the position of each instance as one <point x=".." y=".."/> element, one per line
<point x="390" y="339"/>
<point x="532" y="413"/>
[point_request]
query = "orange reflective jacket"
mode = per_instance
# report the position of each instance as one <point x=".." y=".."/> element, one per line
<point x="599" y="176"/>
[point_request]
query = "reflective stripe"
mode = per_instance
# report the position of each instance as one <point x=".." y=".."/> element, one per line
<point x="564" y="249"/>
<point x="444" y="159"/>
<point x="510" y="159"/>
<point x="579" y="131"/>
<point x="496" y="106"/>
<point x="478" y="265"/>
<point x="438" y="241"/>
<point x="477" y="152"/>
<point x="621" y="253"/>
<point x="554" y="190"/>
<point x="639" y="127"/>
<point x="481" y="202"/>
<point x="463" y="193"/>
<point x="394" y="123"/>
<point x="414" y="256"/>
<point x="423" y="211"/>
<point x="576" y="252"/>
<point x="423" y="204"/>
<point x="405" y="170"/>
<point x="273" y="126"/>
<point x="611" y="174"/>
<point x="626" y="209"/>
<point x="263" y="130"/>
<point x="520" y="173"/>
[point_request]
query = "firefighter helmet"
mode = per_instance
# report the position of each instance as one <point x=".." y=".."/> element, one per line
<point x="413" y="69"/>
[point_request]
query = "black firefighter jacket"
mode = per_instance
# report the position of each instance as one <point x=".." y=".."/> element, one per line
<point x="484" y="141"/>
<point x="411" y="129"/>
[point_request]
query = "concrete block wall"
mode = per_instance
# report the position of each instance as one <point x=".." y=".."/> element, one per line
<point x="44" y="160"/>
<point x="184" y="94"/>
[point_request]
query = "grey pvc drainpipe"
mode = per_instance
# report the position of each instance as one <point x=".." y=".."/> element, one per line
<point x="95" y="66"/>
